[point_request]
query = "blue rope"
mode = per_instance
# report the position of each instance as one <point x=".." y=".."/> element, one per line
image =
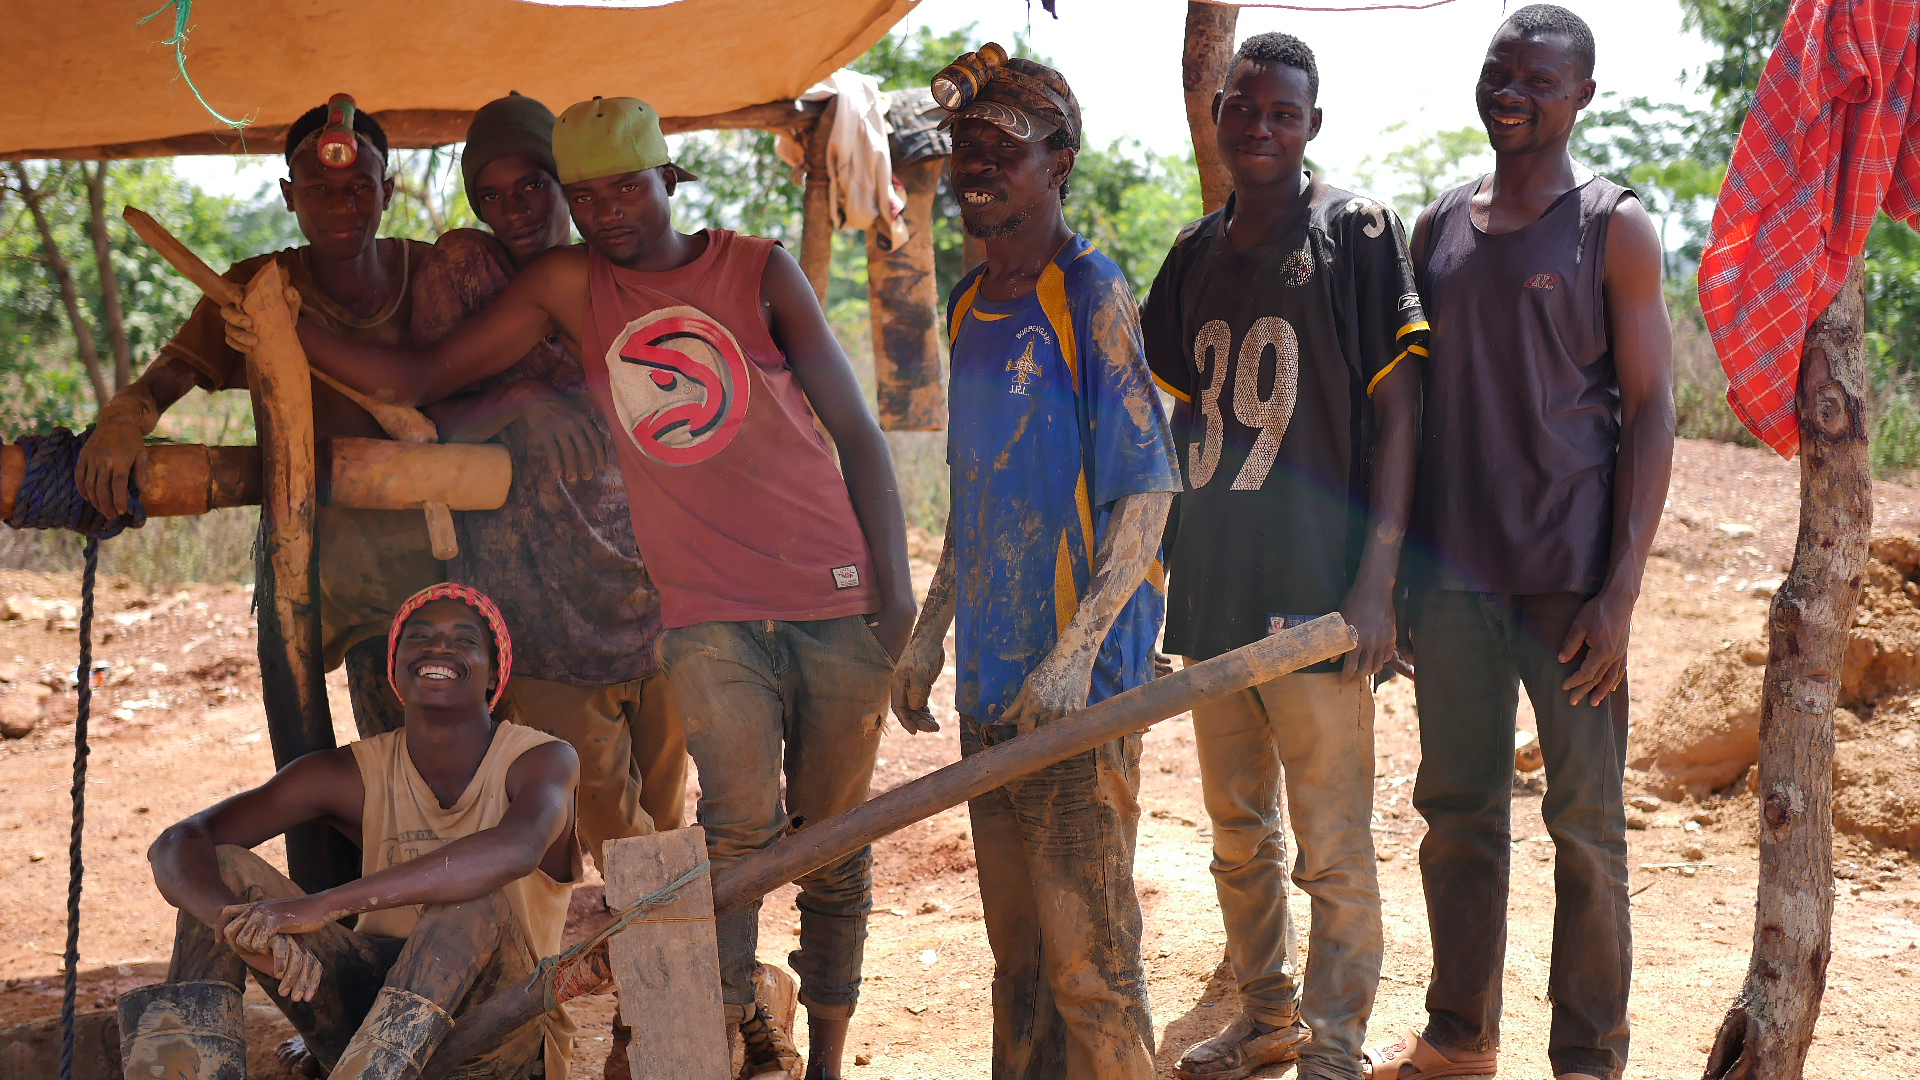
<point x="49" y="499"/>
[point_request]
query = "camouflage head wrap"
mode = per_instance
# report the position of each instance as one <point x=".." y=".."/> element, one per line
<point x="1026" y="100"/>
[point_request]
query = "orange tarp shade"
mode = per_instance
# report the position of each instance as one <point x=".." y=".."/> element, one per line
<point x="80" y="75"/>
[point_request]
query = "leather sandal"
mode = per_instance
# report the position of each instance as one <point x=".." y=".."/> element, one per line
<point x="1240" y="1049"/>
<point x="1426" y="1061"/>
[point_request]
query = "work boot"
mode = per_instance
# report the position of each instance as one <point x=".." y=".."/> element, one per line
<point x="183" y="1031"/>
<point x="400" y="1033"/>
<point x="767" y="1030"/>
<point x="1240" y="1049"/>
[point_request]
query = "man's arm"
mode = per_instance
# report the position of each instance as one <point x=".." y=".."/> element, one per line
<point x="558" y="428"/>
<point x="550" y="292"/>
<point x="1368" y="605"/>
<point x="121" y="430"/>
<point x="926" y="654"/>
<point x="1642" y="338"/>
<point x="800" y="328"/>
<point x="540" y="787"/>
<point x="1061" y="682"/>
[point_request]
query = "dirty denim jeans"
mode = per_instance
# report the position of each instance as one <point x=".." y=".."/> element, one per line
<point x="803" y="700"/>
<point x="1473" y="652"/>
<point x="1055" y="852"/>
<point x="1316" y="731"/>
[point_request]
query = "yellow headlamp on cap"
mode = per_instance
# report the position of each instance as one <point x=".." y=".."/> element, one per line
<point x="610" y="136"/>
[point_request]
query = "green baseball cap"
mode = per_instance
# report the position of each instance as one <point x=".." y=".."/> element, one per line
<point x="609" y="136"/>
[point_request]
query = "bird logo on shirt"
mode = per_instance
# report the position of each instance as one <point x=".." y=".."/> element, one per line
<point x="679" y="383"/>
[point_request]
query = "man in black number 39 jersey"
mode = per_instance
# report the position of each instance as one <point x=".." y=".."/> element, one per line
<point x="1288" y="327"/>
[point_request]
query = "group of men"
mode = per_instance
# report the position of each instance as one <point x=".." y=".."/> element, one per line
<point x="1461" y="445"/>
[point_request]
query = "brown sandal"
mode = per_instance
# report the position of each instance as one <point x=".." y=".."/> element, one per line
<point x="1426" y="1061"/>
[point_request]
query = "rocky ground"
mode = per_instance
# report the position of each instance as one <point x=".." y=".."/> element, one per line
<point x="178" y="725"/>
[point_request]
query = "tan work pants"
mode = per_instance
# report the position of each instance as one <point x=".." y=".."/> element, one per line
<point x="632" y="746"/>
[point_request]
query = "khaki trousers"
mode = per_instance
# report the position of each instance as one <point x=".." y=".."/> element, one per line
<point x="1317" y="731"/>
<point x="632" y="746"/>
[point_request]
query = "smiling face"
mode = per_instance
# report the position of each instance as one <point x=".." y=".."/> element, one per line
<point x="1263" y="120"/>
<point x="444" y="657"/>
<point x="1531" y="91"/>
<point x="338" y="210"/>
<point x="523" y="206"/>
<point x="1002" y="181"/>
<point x="621" y="216"/>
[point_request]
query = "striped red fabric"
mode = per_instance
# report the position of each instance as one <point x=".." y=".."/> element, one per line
<point x="1833" y="135"/>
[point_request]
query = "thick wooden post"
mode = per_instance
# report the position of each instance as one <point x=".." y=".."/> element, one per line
<point x="816" y="220"/>
<point x="291" y="676"/>
<point x="1766" y="1033"/>
<point x="1203" y="69"/>
<point x="906" y="308"/>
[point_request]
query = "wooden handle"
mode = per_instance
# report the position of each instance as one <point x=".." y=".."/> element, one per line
<point x="822" y="842"/>
<point x="446" y="543"/>
<point x="398" y="421"/>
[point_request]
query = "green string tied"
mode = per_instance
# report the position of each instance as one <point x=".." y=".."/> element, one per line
<point x="182" y="14"/>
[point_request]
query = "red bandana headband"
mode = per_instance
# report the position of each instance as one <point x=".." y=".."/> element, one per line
<point x="473" y="598"/>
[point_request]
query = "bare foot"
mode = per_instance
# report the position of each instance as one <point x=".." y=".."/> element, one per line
<point x="294" y="1055"/>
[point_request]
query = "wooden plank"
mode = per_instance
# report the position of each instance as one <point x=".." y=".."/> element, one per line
<point x="816" y="209"/>
<point x="1203" y="69"/>
<point x="905" y="306"/>
<point x="1766" y="1034"/>
<point x="668" y="964"/>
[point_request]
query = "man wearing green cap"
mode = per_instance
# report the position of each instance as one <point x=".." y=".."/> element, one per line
<point x="783" y="578"/>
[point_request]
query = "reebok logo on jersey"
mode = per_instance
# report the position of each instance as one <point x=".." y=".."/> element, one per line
<point x="1543" y="281"/>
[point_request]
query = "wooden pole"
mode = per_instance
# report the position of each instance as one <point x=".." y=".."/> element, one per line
<point x="904" y="302"/>
<point x="291" y="673"/>
<point x="1203" y="70"/>
<point x="822" y="842"/>
<point x="1766" y="1033"/>
<point x="816" y="220"/>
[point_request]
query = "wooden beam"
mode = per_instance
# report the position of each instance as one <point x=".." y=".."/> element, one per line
<point x="905" y="305"/>
<point x="816" y="214"/>
<point x="668" y="963"/>
<point x="407" y="129"/>
<point x="1766" y="1033"/>
<point x="1203" y="69"/>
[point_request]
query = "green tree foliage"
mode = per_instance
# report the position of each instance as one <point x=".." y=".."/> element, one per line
<point x="1744" y="31"/>
<point x="1417" y="173"/>
<point x="1131" y="203"/>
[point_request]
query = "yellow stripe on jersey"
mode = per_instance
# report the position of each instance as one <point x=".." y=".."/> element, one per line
<point x="1169" y="388"/>
<point x="960" y="311"/>
<point x="1386" y="371"/>
<point x="1410" y="328"/>
<point x="1157" y="575"/>
<point x="1085" y="504"/>
<point x="1052" y="291"/>
<point x="1066" y="593"/>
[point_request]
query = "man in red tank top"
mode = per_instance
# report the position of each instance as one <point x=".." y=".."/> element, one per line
<point x="784" y="585"/>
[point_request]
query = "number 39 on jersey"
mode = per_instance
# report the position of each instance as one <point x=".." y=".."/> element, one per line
<point x="1267" y="357"/>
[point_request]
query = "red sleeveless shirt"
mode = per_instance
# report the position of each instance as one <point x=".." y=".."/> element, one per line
<point x="738" y="506"/>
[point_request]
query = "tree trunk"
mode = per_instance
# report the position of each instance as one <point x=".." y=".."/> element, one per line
<point x="906" y="311"/>
<point x="816" y="213"/>
<point x="1766" y="1033"/>
<point x="109" y="279"/>
<point x="1203" y="70"/>
<point x="63" y="278"/>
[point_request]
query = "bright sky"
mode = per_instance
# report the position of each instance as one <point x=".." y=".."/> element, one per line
<point x="1377" y="68"/>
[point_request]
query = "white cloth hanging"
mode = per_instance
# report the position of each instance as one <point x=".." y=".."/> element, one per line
<point x="863" y="194"/>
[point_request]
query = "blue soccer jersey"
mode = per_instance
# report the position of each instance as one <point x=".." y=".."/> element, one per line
<point x="1053" y="419"/>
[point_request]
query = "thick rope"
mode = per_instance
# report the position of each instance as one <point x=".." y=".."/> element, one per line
<point x="49" y="499"/>
<point x="555" y="971"/>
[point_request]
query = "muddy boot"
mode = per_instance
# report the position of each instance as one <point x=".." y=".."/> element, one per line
<point x="767" y="1027"/>
<point x="400" y="1033"/>
<point x="183" y="1031"/>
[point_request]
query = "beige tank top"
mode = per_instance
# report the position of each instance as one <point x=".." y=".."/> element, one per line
<point x="402" y="819"/>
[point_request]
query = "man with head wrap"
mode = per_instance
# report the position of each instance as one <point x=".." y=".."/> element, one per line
<point x="360" y="285"/>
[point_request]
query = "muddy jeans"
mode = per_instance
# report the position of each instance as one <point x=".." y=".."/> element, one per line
<point x="1055" y="851"/>
<point x="805" y="700"/>
<point x="632" y="747"/>
<point x="1473" y="652"/>
<point x="1317" y="730"/>
<point x="459" y="955"/>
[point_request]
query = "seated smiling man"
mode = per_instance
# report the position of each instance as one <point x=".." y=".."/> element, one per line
<point x="492" y="803"/>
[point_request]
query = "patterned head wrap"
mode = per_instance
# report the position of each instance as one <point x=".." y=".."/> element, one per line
<point x="473" y="598"/>
<point x="1027" y="100"/>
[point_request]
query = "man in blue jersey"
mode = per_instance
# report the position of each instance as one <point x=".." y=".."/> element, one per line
<point x="1061" y="480"/>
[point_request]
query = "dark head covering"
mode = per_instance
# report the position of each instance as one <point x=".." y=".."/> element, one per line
<point x="512" y="126"/>
<point x="1027" y="100"/>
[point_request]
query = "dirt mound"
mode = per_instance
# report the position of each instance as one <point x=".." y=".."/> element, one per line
<point x="1706" y="734"/>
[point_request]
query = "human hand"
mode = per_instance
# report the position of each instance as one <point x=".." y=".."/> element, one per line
<point x="1368" y="609"/>
<point x="1162" y="664"/>
<point x="564" y="433"/>
<point x="106" y="463"/>
<point x="242" y="335"/>
<point x="265" y="930"/>
<point x="1602" y="626"/>
<point x="1057" y="687"/>
<point x="919" y="665"/>
<point x="893" y="625"/>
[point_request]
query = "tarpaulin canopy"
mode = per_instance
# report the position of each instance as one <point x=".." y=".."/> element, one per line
<point x="83" y="80"/>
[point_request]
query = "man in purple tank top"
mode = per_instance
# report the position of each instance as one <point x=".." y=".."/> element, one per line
<point x="1547" y="442"/>
<point x="783" y="582"/>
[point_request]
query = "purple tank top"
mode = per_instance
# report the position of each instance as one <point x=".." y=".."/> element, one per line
<point x="1521" y="424"/>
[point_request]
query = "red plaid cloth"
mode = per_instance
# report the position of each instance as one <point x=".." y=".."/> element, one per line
<point x="1834" y="131"/>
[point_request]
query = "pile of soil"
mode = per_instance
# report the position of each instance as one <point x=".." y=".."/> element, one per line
<point x="1705" y="737"/>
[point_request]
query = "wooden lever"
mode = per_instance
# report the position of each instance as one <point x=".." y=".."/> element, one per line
<point x="398" y="421"/>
